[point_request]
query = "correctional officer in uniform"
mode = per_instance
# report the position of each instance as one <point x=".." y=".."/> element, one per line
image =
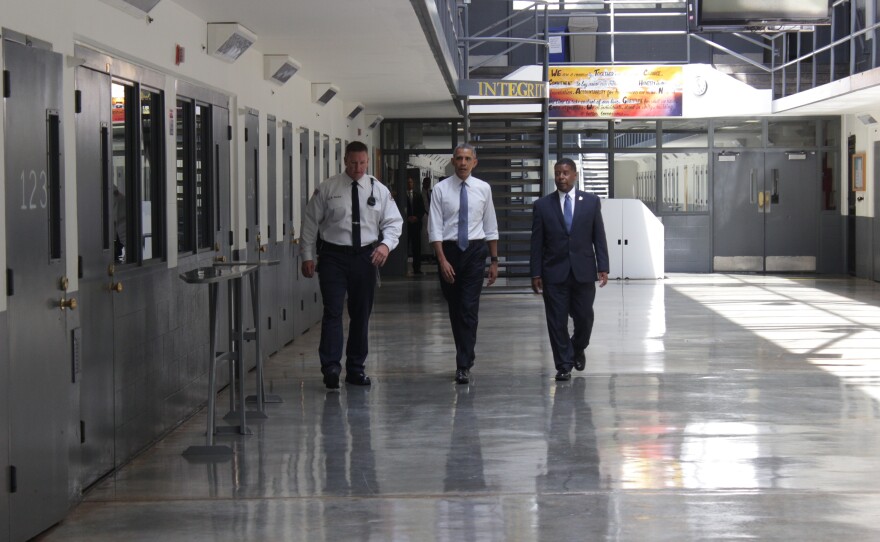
<point x="463" y="230"/>
<point x="359" y="224"/>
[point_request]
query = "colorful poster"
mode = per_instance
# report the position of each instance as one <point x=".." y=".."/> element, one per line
<point x="615" y="91"/>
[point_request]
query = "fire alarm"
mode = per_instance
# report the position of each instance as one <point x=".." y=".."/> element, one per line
<point x="179" y="55"/>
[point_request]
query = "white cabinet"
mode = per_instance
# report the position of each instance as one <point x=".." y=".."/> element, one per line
<point x="635" y="240"/>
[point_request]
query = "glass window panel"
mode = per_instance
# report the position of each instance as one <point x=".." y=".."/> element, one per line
<point x="635" y="134"/>
<point x="427" y="135"/>
<point x="798" y="134"/>
<point x="684" y="183"/>
<point x="830" y="132"/>
<point x="830" y="180"/>
<point x="585" y="134"/>
<point x="738" y="133"/>
<point x="151" y="151"/>
<point x="122" y="116"/>
<point x="389" y="135"/>
<point x="182" y="170"/>
<point x="635" y="176"/>
<point x="202" y="176"/>
<point x="685" y="133"/>
<point x="594" y="172"/>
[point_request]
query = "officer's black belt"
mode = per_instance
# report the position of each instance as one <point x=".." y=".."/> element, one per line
<point x="347" y="249"/>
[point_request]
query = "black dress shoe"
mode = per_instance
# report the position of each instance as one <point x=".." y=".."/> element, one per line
<point x="580" y="360"/>
<point x="563" y="376"/>
<point x="462" y="376"/>
<point x="358" y="379"/>
<point x="331" y="381"/>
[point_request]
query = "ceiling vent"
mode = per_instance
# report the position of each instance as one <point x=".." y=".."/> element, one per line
<point x="323" y="92"/>
<point x="374" y="120"/>
<point x="354" y="109"/>
<point x="228" y="41"/>
<point x="136" y="8"/>
<point x="279" y="68"/>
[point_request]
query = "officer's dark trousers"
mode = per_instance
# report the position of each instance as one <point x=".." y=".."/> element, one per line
<point x="463" y="296"/>
<point x="340" y="274"/>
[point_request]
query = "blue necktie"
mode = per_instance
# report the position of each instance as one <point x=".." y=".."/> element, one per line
<point x="463" y="218"/>
<point x="566" y="213"/>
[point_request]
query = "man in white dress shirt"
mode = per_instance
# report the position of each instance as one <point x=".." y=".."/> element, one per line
<point x="359" y="225"/>
<point x="463" y="230"/>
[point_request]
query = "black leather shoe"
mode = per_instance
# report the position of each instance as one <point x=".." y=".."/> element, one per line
<point x="563" y="376"/>
<point x="462" y="376"/>
<point x="331" y="381"/>
<point x="358" y="379"/>
<point x="580" y="360"/>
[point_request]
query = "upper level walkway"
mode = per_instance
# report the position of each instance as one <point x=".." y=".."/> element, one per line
<point x="712" y="407"/>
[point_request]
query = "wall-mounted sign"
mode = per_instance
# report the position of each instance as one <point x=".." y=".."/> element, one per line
<point x="615" y="91"/>
<point x="502" y="88"/>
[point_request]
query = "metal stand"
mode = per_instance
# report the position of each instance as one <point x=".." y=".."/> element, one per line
<point x="260" y="398"/>
<point x="213" y="276"/>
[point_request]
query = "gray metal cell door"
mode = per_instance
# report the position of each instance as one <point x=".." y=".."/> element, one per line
<point x="253" y="239"/>
<point x="791" y="212"/>
<point x="40" y="365"/>
<point x="288" y="250"/>
<point x="764" y="212"/>
<point x="97" y="284"/>
<point x="270" y="300"/>
<point x="252" y="185"/>
<point x="223" y="237"/>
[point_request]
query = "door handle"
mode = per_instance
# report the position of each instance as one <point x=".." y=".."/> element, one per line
<point x="67" y="303"/>
<point x="116" y="287"/>
<point x="760" y="200"/>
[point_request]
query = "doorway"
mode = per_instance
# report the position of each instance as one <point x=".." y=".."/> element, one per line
<point x="765" y="211"/>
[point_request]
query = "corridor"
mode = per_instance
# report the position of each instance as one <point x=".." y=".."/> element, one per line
<point x="712" y="407"/>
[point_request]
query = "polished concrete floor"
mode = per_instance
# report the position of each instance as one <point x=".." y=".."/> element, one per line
<point x="713" y="407"/>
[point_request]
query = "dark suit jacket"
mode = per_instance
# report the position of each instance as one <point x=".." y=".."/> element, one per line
<point x="417" y="208"/>
<point x="555" y="252"/>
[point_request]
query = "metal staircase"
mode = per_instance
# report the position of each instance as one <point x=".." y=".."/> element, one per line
<point x="510" y="148"/>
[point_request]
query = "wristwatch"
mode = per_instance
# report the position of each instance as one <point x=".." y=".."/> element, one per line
<point x="493" y="259"/>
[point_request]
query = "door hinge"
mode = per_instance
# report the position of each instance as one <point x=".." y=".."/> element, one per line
<point x="247" y="235"/>
<point x="230" y="238"/>
<point x="82" y="431"/>
<point x="268" y="140"/>
<point x="13" y="479"/>
<point x="245" y="135"/>
<point x="283" y="143"/>
<point x="10" y="282"/>
<point x="79" y="266"/>
<point x="7" y="90"/>
<point x="77" y="101"/>
<point x="229" y="133"/>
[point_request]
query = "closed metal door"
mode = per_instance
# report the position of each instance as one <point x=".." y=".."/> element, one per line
<point x="791" y="212"/>
<point x="98" y="283"/>
<point x="288" y="250"/>
<point x="40" y="362"/>
<point x="765" y="212"/>
<point x="222" y="211"/>
<point x="270" y="300"/>
<point x="252" y="186"/>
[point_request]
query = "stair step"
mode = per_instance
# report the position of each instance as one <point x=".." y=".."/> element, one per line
<point x="535" y="115"/>
<point x="507" y="130"/>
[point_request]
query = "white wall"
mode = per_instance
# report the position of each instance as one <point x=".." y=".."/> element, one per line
<point x="64" y="23"/>
<point x="866" y="135"/>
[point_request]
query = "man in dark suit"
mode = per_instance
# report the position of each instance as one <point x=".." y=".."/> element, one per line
<point x="569" y="254"/>
<point x="415" y="212"/>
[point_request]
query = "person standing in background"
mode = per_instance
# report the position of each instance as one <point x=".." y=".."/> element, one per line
<point x="415" y="212"/>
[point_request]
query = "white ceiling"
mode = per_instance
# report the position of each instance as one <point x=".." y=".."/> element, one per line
<point x="375" y="51"/>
